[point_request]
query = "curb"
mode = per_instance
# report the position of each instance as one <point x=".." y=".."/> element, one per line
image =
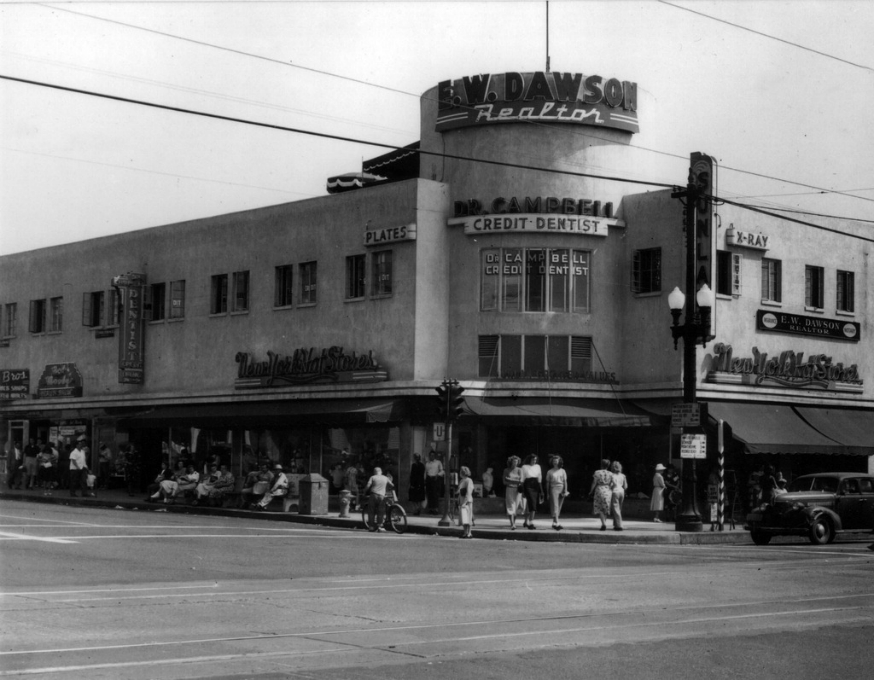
<point x="564" y="536"/>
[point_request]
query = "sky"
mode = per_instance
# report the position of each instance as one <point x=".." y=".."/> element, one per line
<point x="779" y="92"/>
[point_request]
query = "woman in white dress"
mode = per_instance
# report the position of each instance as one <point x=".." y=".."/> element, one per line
<point x="465" y="501"/>
<point x="512" y="482"/>
<point x="657" y="502"/>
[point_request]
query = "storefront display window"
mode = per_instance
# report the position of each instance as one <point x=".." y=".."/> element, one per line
<point x="534" y="280"/>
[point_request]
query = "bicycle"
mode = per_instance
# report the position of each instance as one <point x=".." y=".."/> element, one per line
<point x="395" y="516"/>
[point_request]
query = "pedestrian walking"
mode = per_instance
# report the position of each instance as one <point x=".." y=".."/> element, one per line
<point x="620" y="486"/>
<point x="512" y="481"/>
<point x="657" y="502"/>
<point x="601" y="492"/>
<point x="556" y="487"/>
<point x="417" y="484"/>
<point x="465" y="501"/>
<point x="532" y="485"/>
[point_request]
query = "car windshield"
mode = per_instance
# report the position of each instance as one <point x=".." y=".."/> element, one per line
<point x="828" y="484"/>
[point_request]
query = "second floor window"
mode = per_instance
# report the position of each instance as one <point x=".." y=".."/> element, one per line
<point x="284" y="290"/>
<point x="241" y="292"/>
<point x="382" y="273"/>
<point x="646" y="271"/>
<point x="218" y="299"/>
<point x="558" y="357"/>
<point x="535" y="280"/>
<point x="308" y="283"/>
<point x="177" y="299"/>
<point x="37" y="322"/>
<point x="93" y="308"/>
<point x="728" y="272"/>
<point x="813" y="287"/>
<point x="158" y="295"/>
<point x="772" y="283"/>
<point x="845" y="292"/>
<point x="56" y="308"/>
<point x="355" y="277"/>
<point x="10" y="320"/>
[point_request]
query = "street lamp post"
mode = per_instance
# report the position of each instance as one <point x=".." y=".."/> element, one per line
<point x="697" y="326"/>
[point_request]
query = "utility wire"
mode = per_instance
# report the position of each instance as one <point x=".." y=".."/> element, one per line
<point x="411" y="94"/>
<point x="421" y="151"/>
<point x="325" y="135"/>
<point x="766" y="35"/>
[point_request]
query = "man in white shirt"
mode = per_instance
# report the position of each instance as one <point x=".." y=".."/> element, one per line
<point x="377" y="487"/>
<point x="279" y="487"/>
<point x="79" y="467"/>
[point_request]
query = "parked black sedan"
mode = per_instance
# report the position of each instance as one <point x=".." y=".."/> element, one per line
<point x="819" y="506"/>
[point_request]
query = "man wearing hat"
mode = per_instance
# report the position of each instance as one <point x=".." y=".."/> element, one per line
<point x="657" y="503"/>
<point x="279" y="487"/>
<point x="79" y="466"/>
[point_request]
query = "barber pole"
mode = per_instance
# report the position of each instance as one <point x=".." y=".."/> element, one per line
<point x="720" y="503"/>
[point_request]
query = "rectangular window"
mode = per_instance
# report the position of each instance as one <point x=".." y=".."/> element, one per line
<point x="11" y="319"/>
<point x="308" y="283"/>
<point x="157" y="298"/>
<point x="728" y="272"/>
<point x="845" y="292"/>
<point x="558" y="270"/>
<point x="241" y="292"/>
<point x="355" y="277"/>
<point x="531" y="356"/>
<point x="114" y="310"/>
<point x="93" y="309"/>
<point x="491" y="279"/>
<point x="56" y="308"/>
<point x="581" y="354"/>
<point x="772" y="283"/>
<point x="580" y="281"/>
<point x="557" y="348"/>
<point x="37" y="323"/>
<point x="511" y="272"/>
<point x="488" y="356"/>
<point x="813" y="287"/>
<point x="177" y="299"/>
<point x="646" y="271"/>
<point x="382" y="273"/>
<point x="283" y="295"/>
<point x="535" y="280"/>
<point x="218" y="300"/>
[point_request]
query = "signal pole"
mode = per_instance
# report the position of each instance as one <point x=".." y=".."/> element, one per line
<point x="450" y="405"/>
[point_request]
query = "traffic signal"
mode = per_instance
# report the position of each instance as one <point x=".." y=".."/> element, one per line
<point x="456" y="401"/>
<point x="442" y="402"/>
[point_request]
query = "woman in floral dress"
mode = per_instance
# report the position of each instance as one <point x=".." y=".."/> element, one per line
<point x="602" y="492"/>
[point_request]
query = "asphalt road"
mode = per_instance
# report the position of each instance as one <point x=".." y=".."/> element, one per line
<point x="100" y="593"/>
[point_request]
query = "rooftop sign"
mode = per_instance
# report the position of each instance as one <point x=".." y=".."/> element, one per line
<point x="542" y="97"/>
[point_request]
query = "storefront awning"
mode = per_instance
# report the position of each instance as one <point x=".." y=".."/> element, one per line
<point x="271" y="414"/>
<point x="565" y="412"/>
<point x="771" y="428"/>
<point x="853" y="429"/>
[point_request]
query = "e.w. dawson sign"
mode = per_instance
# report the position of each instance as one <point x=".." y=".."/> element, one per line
<point x="543" y="97"/>
<point x="796" y="324"/>
<point x="331" y="365"/>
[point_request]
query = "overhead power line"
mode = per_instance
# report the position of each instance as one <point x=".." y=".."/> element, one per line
<point x="766" y="35"/>
<point x="417" y="96"/>
<point x="325" y="135"/>
<point x="438" y="154"/>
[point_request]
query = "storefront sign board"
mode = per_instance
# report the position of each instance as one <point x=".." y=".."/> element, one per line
<point x="15" y="383"/>
<point x="541" y="96"/>
<point x="796" y="324"/>
<point x="307" y="366"/>
<point x="59" y="380"/>
<point x="131" y="354"/>
<point x="693" y="446"/>
<point x="381" y="237"/>
<point x="531" y="223"/>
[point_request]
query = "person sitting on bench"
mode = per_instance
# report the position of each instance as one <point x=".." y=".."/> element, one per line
<point x="279" y="487"/>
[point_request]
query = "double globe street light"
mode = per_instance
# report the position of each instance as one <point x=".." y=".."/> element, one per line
<point x="697" y="327"/>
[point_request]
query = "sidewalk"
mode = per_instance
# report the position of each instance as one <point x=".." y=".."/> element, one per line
<point x="576" y="528"/>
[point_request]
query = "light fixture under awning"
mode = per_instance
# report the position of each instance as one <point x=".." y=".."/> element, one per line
<point x="773" y="428"/>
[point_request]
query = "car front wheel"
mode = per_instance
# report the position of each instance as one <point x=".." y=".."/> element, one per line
<point x="759" y="538"/>
<point x="821" y="531"/>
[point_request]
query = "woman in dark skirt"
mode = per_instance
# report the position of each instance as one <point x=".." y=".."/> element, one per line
<point x="532" y="478"/>
<point x="417" y="483"/>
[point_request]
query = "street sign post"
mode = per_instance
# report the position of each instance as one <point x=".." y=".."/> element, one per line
<point x="693" y="446"/>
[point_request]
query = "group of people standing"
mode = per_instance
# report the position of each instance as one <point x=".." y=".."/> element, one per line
<point x="525" y="488"/>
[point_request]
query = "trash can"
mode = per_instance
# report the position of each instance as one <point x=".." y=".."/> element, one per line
<point x="313" y="495"/>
